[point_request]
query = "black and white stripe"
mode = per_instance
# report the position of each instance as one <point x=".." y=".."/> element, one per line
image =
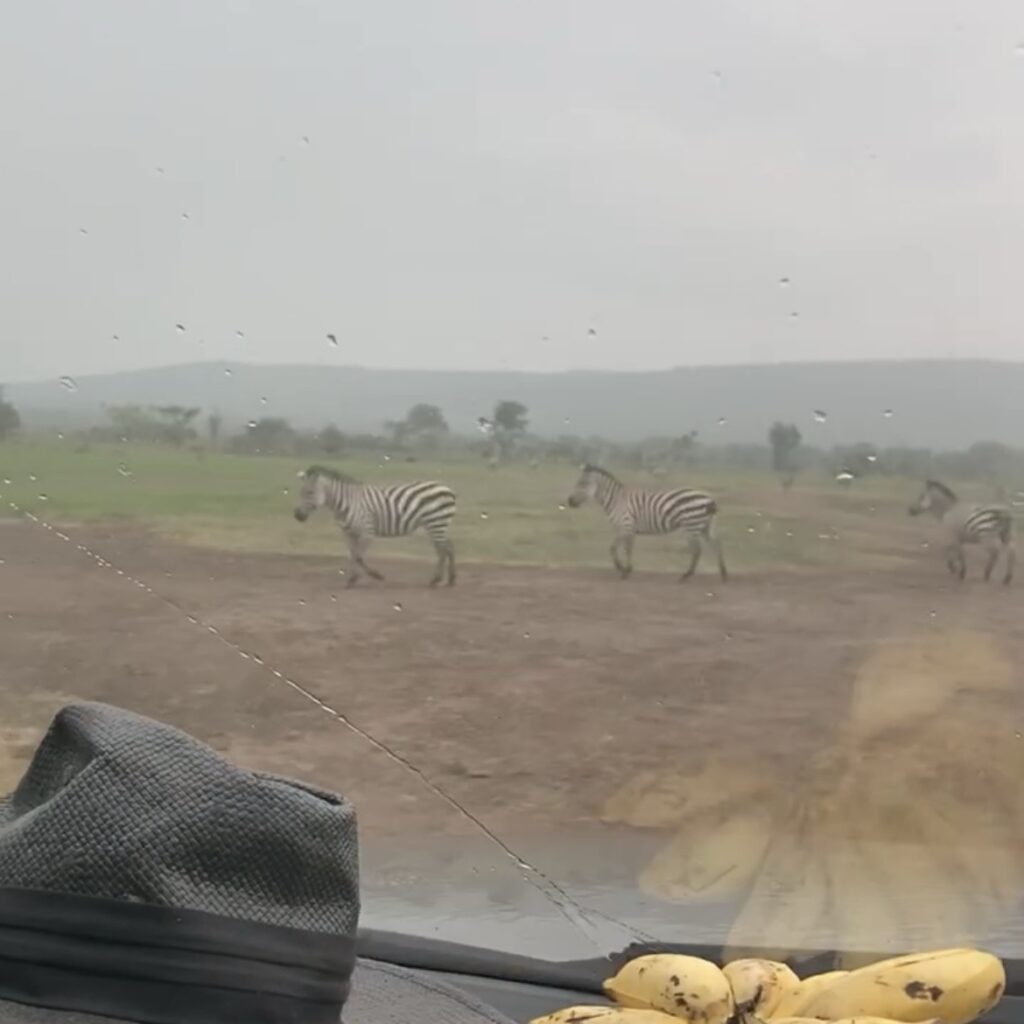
<point x="639" y="511"/>
<point x="991" y="526"/>
<point x="364" y="511"/>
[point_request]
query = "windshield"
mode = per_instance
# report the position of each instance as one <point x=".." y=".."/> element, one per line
<point x="589" y="439"/>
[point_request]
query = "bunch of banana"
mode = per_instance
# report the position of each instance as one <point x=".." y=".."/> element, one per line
<point x="951" y="986"/>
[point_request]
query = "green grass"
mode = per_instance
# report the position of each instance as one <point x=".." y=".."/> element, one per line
<point x="508" y="515"/>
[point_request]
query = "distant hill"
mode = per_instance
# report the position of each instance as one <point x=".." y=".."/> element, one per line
<point x="941" y="404"/>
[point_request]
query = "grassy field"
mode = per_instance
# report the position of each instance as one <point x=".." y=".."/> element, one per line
<point x="508" y="515"/>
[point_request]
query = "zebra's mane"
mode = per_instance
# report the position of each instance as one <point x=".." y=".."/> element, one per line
<point x="589" y="467"/>
<point x="937" y="485"/>
<point x="331" y="474"/>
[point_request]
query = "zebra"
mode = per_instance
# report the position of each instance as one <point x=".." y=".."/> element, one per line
<point x="640" y="511"/>
<point x="968" y="523"/>
<point x="364" y="511"/>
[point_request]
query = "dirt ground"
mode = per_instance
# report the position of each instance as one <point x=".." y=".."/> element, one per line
<point x="529" y="695"/>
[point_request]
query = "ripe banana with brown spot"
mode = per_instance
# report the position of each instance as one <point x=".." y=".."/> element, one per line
<point x="758" y="986"/>
<point x="605" y="1015"/>
<point x="792" y="1005"/>
<point x="687" y="987"/>
<point x="956" y="985"/>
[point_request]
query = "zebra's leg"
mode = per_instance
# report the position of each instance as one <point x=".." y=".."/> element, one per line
<point x="693" y="544"/>
<point x="451" y="563"/>
<point x="442" y="547"/>
<point x="626" y="546"/>
<point x="716" y="546"/>
<point x="955" y="561"/>
<point x="622" y="570"/>
<point x="360" y="544"/>
<point x="1011" y="558"/>
<point x="993" y="546"/>
<point x="354" y="571"/>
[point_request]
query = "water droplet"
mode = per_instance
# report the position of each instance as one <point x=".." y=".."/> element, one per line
<point x="789" y="533"/>
<point x="592" y="332"/>
<point x="305" y="140"/>
<point x="285" y="490"/>
<point x="180" y="328"/>
<point x="7" y="481"/>
<point x="397" y="607"/>
<point x="1019" y="735"/>
<point x="887" y="414"/>
<point x="483" y="515"/>
<point x="302" y="600"/>
<point x="184" y="215"/>
<point x="871" y="458"/>
<point x="82" y="231"/>
<point x="783" y="282"/>
<point x="794" y="315"/>
<point x="1019" y="49"/>
<point x="334" y="598"/>
<point x="159" y="170"/>
<point x="32" y="477"/>
<point x="115" y="337"/>
<point x="68" y="383"/>
<point x="387" y="458"/>
<point x="227" y="372"/>
<point x="750" y="529"/>
<point x="844" y="476"/>
<point x="933" y="613"/>
<point x="43" y="497"/>
<point x="263" y="399"/>
<point x="60" y="436"/>
<point x="820" y="416"/>
<point x="251" y="424"/>
<point x="567" y="421"/>
<point x="123" y="469"/>
<point x="526" y="636"/>
<point x="709" y="593"/>
<point x="333" y="340"/>
<point x="561" y="508"/>
<point x="721" y="421"/>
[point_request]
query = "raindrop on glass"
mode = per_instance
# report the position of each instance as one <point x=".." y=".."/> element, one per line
<point x="285" y="490"/>
<point x="302" y="600"/>
<point x="1019" y="49"/>
<point x="32" y="477"/>
<point x="820" y="416"/>
<point x="721" y="421"/>
<point x="794" y="315"/>
<point x="526" y="636"/>
<point x="592" y="332"/>
<point x="872" y="458"/>
<point x="82" y="231"/>
<point x="397" y="607"/>
<point x="7" y="481"/>
<point x="783" y="282"/>
<point x="332" y="340"/>
<point x="263" y="399"/>
<point x="334" y="598"/>
<point x="239" y="334"/>
<point x="887" y="414"/>
<point x="305" y="140"/>
<point x="184" y="215"/>
<point x="159" y="170"/>
<point x="43" y="497"/>
<point x="68" y="383"/>
<point x="561" y="508"/>
<point x="251" y="424"/>
<point x="750" y="529"/>
<point x="60" y="436"/>
<point x="123" y="469"/>
<point x="227" y="372"/>
<point x="483" y="515"/>
<point x="180" y="328"/>
<point x="115" y="337"/>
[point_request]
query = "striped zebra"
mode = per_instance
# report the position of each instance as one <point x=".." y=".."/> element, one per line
<point x="991" y="526"/>
<point x="364" y="512"/>
<point x="639" y="511"/>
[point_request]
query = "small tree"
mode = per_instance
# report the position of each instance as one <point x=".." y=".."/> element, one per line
<point x="178" y="422"/>
<point x="509" y="425"/>
<point x="425" y="419"/>
<point x="10" y="421"/>
<point x="785" y="439"/>
<point x="214" y="423"/>
<point x="331" y="440"/>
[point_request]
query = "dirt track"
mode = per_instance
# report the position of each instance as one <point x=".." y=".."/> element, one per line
<point x="530" y="695"/>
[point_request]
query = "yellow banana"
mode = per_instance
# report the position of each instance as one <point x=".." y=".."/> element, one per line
<point x="685" y="986"/>
<point x="709" y="863"/>
<point x="793" y="1003"/>
<point x="956" y="985"/>
<point x="604" y="1015"/>
<point x="758" y="986"/>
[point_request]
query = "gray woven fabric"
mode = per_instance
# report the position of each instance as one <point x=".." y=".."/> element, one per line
<point x="381" y="994"/>
<point x="117" y="805"/>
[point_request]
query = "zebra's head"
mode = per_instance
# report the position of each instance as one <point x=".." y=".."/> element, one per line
<point x="312" y="493"/>
<point x="586" y="486"/>
<point x="935" y="498"/>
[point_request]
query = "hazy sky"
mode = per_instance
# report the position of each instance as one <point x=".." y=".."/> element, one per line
<point x="485" y="184"/>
